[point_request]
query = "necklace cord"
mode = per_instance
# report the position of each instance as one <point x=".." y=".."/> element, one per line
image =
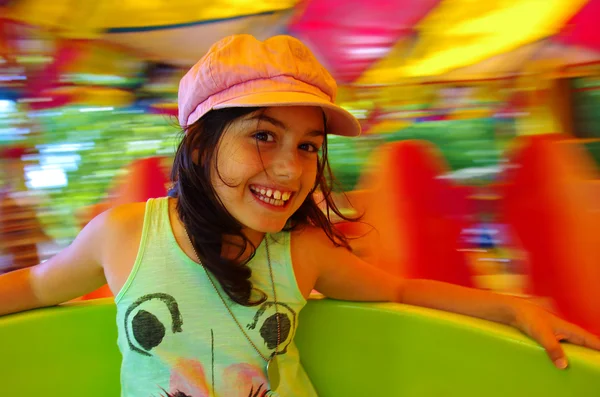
<point x="229" y="309"/>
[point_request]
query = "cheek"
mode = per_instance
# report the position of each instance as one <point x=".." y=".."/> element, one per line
<point x="230" y="167"/>
<point x="238" y="159"/>
<point x="310" y="173"/>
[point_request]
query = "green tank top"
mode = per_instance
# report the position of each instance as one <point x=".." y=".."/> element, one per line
<point x="178" y="339"/>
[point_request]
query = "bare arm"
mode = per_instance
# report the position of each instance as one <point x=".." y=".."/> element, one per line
<point x="342" y="275"/>
<point x="16" y="293"/>
<point x="345" y="276"/>
<point x="73" y="272"/>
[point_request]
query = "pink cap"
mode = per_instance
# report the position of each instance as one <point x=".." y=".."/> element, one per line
<point x="241" y="71"/>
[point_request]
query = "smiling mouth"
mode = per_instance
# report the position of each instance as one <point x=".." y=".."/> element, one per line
<point x="270" y="196"/>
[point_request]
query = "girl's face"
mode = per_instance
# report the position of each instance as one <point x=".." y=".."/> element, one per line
<point x="266" y="165"/>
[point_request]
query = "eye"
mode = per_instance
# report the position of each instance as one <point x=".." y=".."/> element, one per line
<point x="264" y="136"/>
<point x="309" y="147"/>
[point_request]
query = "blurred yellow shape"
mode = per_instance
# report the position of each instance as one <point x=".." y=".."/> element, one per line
<point x="97" y="96"/>
<point x="389" y="127"/>
<point x="459" y="33"/>
<point x="87" y="19"/>
<point x="466" y="114"/>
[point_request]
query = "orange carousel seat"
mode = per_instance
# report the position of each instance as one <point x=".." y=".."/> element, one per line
<point x="552" y="200"/>
<point x="412" y="216"/>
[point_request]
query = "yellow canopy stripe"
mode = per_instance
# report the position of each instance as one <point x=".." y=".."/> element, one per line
<point x="458" y="33"/>
<point x="85" y="19"/>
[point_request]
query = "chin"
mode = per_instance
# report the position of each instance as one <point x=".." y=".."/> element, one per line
<point x="269" y="226"/>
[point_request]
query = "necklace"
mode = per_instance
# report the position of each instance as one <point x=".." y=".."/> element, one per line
<point x="272" y="364"/>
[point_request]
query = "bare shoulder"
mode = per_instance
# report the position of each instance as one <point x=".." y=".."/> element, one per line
<point x="304" y="243"/>
<point x="121" y="233"/>
<point x="311" y="245"/>
<point x="125" y="216"/>
<point x="312" y="237"/>
<point x="115" y="222"/>
<point x="337" y="273"/>
<point x="121" y="225"/>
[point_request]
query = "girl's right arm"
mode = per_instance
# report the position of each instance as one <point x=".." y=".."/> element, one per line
<point x="71" y="273"/>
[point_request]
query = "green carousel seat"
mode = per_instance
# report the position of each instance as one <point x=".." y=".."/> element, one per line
<point x="348" y="349"/>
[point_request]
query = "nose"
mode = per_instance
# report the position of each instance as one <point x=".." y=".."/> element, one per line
<point x="287" y="165"/>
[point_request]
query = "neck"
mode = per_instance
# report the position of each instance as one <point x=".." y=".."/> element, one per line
<point x="231" y="244"/>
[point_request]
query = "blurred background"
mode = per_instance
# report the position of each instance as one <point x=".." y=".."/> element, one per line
<point x="478" y="163"/>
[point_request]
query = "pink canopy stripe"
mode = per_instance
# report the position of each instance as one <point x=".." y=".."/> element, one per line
<point x="348" y="36"/>
<point x="582" y="29"/>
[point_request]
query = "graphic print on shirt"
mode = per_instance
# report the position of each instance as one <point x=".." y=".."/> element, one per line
<point x="154" y="318"/>
<point x="267" y="317"/>
<point x="145" y="328"/>
<point x="188" y="379"/>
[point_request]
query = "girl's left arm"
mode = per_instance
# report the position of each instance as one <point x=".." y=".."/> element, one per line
<point x="342" y="275"/>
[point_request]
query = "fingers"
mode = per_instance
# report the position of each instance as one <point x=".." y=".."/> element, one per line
<point x="592" y="341"/>
<point x="579" y="336"/>
<point x="549" y="342"/>
<point x="548" y="330"/>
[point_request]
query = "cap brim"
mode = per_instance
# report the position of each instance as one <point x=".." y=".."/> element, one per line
<point x="339" y="120"/>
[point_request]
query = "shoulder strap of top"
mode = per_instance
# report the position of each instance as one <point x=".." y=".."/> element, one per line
<point x="156" y="218"/>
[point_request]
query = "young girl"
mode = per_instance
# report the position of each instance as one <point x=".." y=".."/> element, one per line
<point x="209" y="281"/>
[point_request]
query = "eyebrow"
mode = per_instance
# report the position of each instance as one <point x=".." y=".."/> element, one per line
<point x="281" y="124"/>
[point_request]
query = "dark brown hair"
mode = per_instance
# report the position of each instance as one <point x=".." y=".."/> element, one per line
<point x="206" y="219"/>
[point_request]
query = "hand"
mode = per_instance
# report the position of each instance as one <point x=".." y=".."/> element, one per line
<point x="549" y="330"/>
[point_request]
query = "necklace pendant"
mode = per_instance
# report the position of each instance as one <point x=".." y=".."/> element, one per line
<point x="273" y="372"/>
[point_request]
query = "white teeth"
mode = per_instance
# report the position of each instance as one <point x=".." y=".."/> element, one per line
<point x="273" y="197"/>
<point x="277" y="203"/>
